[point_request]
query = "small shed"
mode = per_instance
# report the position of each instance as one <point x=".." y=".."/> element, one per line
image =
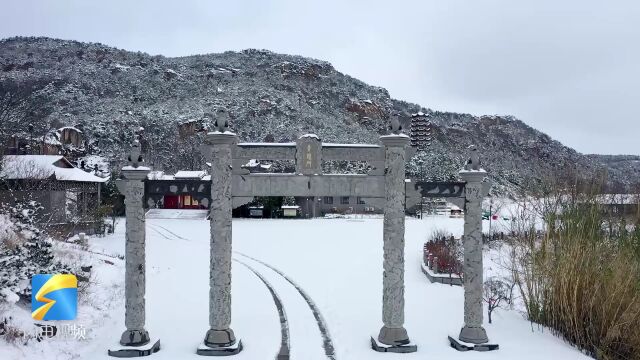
<point x="290" y="210"/>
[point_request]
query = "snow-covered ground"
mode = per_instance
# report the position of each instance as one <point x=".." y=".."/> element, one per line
<point x="337" y="262"/>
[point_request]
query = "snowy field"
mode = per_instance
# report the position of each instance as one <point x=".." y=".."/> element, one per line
<point x="337" y="262"/>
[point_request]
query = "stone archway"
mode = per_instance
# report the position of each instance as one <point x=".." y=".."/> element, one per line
<point x="232" y="186"/>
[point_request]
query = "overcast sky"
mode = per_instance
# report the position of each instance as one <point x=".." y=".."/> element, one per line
<point x="570" y="68"/>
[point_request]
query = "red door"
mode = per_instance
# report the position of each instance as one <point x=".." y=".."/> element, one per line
<point x="172" y="202"/>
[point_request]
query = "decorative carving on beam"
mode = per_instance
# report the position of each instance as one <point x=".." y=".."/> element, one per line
<point x="437" y="189"/>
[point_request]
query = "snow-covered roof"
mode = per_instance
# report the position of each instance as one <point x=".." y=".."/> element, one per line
<point x="51" y="138"/>
<point x="255" y="163"/>
<point x="183" y="174"/>
<point x="73" y="128"/>
<point x="252" y="144"/>
<point x="328" y="145"/>
<point x="17" y="167"/>
<point x="290" y="207"/>
<point x="617" y="199"/>
<point x="159" y="175"/>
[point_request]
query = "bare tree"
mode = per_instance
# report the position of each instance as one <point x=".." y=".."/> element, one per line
<point x="24" y="103"/>
<point x="495" y="291"/>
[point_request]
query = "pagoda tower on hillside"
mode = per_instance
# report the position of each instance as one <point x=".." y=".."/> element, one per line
<point x="420" y="130"/>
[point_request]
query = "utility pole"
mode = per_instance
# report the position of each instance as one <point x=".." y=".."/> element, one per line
<point x="490" y="214"/>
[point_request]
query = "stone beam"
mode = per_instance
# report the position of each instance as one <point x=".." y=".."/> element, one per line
<point x="264" y="151"/>
<point x="352" y="152"/>
<point x="366" y="186"/>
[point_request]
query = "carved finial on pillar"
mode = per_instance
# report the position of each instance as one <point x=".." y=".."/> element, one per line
<point x="474" y="159"/>
<point x="396" y="127"/>
<point x="222" y="120"/>
<point x="135" y="156"/>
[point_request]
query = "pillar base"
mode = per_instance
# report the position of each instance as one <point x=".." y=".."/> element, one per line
<point x="473" y="335"/>
<point x="152" y="346"/>
<point x="233" y="349"/>
<point x="134" y="338"/>
<point x="393" y="336"/>
<point x="465" y="346"/>
<point x="405" y="348"/>
<point x="219" y="338"/>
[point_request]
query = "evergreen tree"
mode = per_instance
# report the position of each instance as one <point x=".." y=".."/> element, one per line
<point x="24" y="251"/>
<point x="289" y="200"/>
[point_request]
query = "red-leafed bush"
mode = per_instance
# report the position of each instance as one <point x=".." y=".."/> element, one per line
<point x="448" y="251"/>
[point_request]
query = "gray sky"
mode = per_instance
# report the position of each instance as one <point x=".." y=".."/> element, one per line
<point x="569" y="68"/>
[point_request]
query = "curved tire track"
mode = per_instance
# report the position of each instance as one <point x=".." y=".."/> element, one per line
<point x="155" y="228"/>
<point x="285" y="346"/>
<point x="327" y="343"/>
<point x="161" y="233"/>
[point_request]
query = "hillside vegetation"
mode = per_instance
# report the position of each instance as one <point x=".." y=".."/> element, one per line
<point x="111" y="93"/>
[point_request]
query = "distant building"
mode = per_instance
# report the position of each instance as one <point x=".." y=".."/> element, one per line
<point x="71" y="136"/>
<point x="184" y="190"/>
<point x="70" y="196"/>
<point x="322" y="205"/>
<point x="67" y="141"/>
<point x="624" y="205"/>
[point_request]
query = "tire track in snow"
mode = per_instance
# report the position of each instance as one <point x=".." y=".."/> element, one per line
<point x="285" y="346"/>
<point x="327" y="343"/>
<point x="161" y="234"/>
<point x="168" y="231"/>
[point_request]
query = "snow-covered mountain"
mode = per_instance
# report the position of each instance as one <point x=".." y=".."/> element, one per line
<point x="111" y="93"/>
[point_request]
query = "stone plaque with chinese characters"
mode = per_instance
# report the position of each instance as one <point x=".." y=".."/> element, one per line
<point x="308" y="155"/>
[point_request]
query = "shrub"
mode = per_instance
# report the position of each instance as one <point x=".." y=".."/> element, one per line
<point x="447" y="249"/>
<point x="581" y="276"/>
<point x="24" y="251"/>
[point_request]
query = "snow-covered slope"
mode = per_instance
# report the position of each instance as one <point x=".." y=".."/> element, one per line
<point x="109" y="93"/>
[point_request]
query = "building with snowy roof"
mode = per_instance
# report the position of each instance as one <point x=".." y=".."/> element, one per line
<point x="70" y="197"/>
<point x="68" y="141"/>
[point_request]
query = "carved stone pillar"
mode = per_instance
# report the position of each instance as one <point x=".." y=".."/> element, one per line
<point x="135" y="339"/>
<point x="220" y="338"/>
<point x="473" y="332"/>
<point x="393" y="336"/>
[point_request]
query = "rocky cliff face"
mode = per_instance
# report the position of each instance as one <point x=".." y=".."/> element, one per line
<point x="111" y="93"/>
